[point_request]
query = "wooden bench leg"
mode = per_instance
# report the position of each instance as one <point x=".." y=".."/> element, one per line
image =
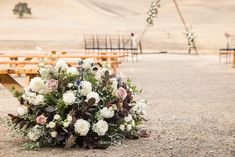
<point x="233" y="60"/>
<point x="9" y="83"/>
<point x="114" y="67"/>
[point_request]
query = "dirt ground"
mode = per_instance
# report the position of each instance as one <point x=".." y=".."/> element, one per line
<point x="191" y="111"/>
<point x="54" y="22"/>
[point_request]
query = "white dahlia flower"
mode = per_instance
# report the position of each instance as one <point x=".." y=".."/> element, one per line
<point x="94" y="95"/>
<point x="69" y="98"/>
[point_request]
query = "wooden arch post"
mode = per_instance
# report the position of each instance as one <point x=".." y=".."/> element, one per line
<point x="185" y="25"/>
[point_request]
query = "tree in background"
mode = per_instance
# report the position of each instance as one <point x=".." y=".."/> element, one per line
<point x="21" y="8"/>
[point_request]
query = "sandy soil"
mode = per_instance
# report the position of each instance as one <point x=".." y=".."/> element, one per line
<point x="191" y="112"/>
<point x="61" y="24"/>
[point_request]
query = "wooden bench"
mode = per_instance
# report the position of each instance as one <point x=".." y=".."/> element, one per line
<point x="115" y="58"/>
<point x="9" y="82"/>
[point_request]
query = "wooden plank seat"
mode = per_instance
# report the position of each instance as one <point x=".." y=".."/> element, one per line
<point x="114" y="64"/>
<point x="9" y="82"/>
<point x="62" y="56"/>
<point x="106" y="57"/>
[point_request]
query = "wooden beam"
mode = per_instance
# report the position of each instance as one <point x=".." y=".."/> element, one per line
<point x="9" y="83"/>
<point x="234" y="60"/>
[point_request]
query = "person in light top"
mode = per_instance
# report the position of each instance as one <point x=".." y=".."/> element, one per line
<point x="133" y="40"/>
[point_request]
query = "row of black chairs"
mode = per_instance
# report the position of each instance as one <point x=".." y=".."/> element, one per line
<point x="112" y="42"/>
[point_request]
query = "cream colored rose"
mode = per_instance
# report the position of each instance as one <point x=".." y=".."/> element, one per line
<point x="82" y="127"/>
<point x="107" y="112"/>
<point x="86" y="88"/>
<point x="72" y="71"/>
<point x="37" y="84"/>
<point x="22" y="110"/>
<point x="54" y="134"/>
<point x="101" y="127"/>
<point x="61" y="65"/>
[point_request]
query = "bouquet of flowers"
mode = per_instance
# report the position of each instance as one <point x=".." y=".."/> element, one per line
<point x="85" y="106"/>
<point x="191" y="38"/>
<point x="153" y="11"/>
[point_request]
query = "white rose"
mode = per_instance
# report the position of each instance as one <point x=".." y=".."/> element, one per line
<point x="57" y="117"/>
<point x="53" y="134"/>
<point x="37" y="84"/>
<point x="94" y="95"/>
<point x="61" y="65"/>
<point x="69" y="118"/>
<point x="107" y="112"/>
<point x="69" y="98"/>
<point x="128" y="118"/>
<point x="22" y="110"/>
<point x="101" y="127"/>
<point x="114" y="83"/>
<point x="34" y="133"/>
<point x="103" y="71"/>
<point x="114" y="107"/>
<point x="33" y="136"/>
<point x="66" y="124"/>
<point x="51" y="125"/>
<point x="86" y="88"/>
<point x="98" y="75"/>
<point x="82" y="127"/>
<point x="140" y="107"/>
<point x="133" y="123"/>
<point x="72" y="71"/>
<point x="128" y="127"/>
<point x="70" y="85"/>
<point x="122" y="127"/>
<point x="38" y="100"/>
<point x="87" y="63"/>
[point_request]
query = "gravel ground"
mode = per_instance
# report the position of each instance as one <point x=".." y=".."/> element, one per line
<point x="191" y="112"/>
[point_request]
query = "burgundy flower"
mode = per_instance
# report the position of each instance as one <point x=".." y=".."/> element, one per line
<point x="227" y="35"/>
